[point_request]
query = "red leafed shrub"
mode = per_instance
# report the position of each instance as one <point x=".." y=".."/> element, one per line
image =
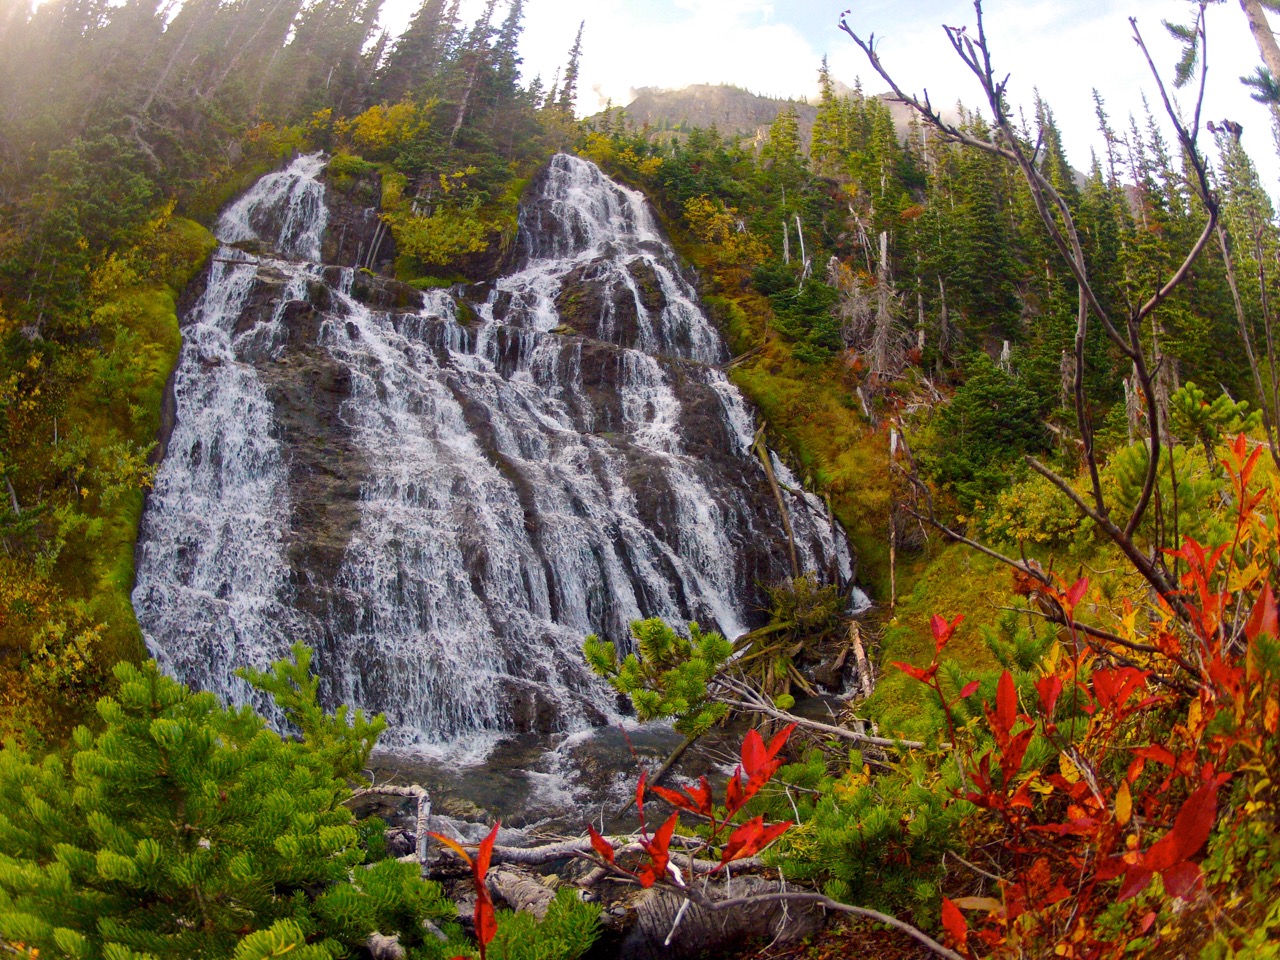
<point x="485" y="919"/>
<point x="759" y="764"/>
<point x="1152" y="724"/>
<point x="658" y="866"/>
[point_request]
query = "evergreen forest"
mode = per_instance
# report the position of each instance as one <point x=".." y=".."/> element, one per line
<point x="1039" y="393"/>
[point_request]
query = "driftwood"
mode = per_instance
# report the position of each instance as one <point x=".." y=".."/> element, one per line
<point x="763" y="453"/>
<point x="865" y="680"/>
<point x="669" y="925"/>
<point x="423" y="802"/>
<point x="742" y="697"/>
<point x="521" y="892"/>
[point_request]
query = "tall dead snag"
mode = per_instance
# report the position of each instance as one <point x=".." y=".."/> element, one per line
<point x="1125" y="332"/>
<point x="1256" y="14"/>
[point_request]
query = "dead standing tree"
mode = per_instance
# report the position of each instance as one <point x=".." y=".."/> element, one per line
<point x="1125" y="333"/>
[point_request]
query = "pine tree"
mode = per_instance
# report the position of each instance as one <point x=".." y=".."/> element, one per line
<point x="506" y="49"/>
<point x="186" y="829"/>
<point x="416" y="56"/>
<point x="569" y="85"/>
<point x="825" y="149"/>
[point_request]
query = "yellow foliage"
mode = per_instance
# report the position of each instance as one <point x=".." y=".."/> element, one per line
<point x="602" y="150"/>
<point x="1033" y="511"/>
<point x="442" y="237"/>
<point x="380" y="129"/>
<point x="457" y="180"/>
<point x="55" y="636"/>
<point x="721" y="229"/>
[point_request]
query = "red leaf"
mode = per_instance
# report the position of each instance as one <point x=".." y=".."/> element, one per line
<point x="753" y="752"/>
<point x="1190" y="830"/>
<point x="923" y="674"/>
<point x="1135" y="881"/>
<point x="953" y="921"/>
<point x="701" y="795"/>
<point x="454" y="846"/>
<point x="1115" y="687"/>
<point x="481" y="867"/>
<point x="1006" y="702"/>
<point x="942" y="630"/>
<point x="750" y="838"/>
<point x="486" y="921"/>
<point x="1264" y="618"/>
<point x="1157" y="753"/>
<point x="734" y="797"/>
<point x="1049" y="689"/>
<point x="1011" y="756"/>
<point x="673" y="798"/>
<point x="779" y="741"/>
<point x="969" y="689"/>
<point x="1181" y="880"/>
<point x="601" y="845"/>
<point x="657" y="847"/>
<point x="1076" y="591"/>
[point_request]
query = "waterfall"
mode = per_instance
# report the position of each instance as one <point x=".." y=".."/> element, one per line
<point x="445" y="501"/>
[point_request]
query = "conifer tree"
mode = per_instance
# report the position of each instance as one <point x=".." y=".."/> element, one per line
<point x="417" y="54"/>
<point x="184" y="829"/>
<point x="569" y="85"/>
<point x="507" y="48"/>
<point x="828" y="135"/>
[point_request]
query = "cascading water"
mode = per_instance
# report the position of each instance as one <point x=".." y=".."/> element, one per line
<point x="443" y="501"/>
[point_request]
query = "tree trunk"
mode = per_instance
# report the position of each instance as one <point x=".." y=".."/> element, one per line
<point x="1262" y="35"/>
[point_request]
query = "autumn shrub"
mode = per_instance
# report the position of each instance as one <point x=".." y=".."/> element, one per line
<point x="1163" y="728"/>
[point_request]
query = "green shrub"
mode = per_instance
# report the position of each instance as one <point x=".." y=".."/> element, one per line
<point x="188" y="829"/>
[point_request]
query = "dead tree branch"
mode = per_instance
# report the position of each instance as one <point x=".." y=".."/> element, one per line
<point x="1059" y="224"/>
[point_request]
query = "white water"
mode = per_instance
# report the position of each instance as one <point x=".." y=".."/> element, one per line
<point x="520" y="488"/>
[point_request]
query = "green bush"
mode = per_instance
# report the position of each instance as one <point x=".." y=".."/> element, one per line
<point x="188" y="829"/>
<point x="982" y="435"/>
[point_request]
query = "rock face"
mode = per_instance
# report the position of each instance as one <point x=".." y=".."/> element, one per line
<point x="444" y="492"/>
<point x="730" y="110"/>
<point x="737" y="112"/>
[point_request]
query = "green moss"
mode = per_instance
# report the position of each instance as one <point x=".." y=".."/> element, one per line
<point x="956" y="580"/>
<point x="102" y="569"/>
<point x="349" y="165"/>
<point x="431" y="283"/>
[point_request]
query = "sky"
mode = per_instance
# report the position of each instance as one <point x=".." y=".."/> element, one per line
<point x="1065" y="49"/>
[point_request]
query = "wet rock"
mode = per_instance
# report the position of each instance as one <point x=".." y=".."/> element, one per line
<point x="355" y="236"/>
<point x="381" y="293"/>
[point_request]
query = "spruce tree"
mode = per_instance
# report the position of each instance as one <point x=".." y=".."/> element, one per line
<point x="506" y="49"/>
<point x="569" y="85"/>
<point x="828" y="136"/>
<point x="416" y="55"/>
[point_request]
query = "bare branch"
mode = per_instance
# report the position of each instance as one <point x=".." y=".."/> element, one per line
<point x="745" y="698"/>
